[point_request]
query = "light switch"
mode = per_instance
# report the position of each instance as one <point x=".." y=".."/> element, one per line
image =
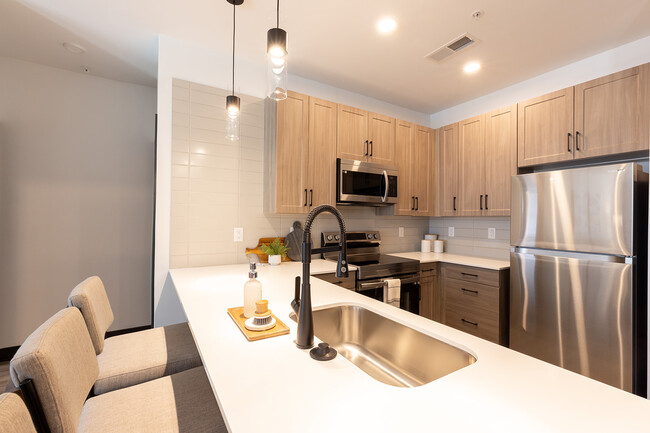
<point x="450" y="232"/>
<point x="401" y="232"/>
<point x="492" y="233"/>
<point x="238" y="234"/>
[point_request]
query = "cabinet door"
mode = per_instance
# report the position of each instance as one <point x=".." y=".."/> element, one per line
<point x="292" y="154"/>
<point x="471" y="148"/>
<point x="404" y="138"/>
<point x="421" y="177"/>
<point x="322" y="150"/>
<point x="352" y="134"/>
<point x="382" y="139"/>
<point x="545" y="128"/>
<point x="448" y="169"/>
<point x="500" y="159"/>
<point x="611" y="114"/>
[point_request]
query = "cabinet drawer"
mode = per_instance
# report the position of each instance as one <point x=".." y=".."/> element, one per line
<point x="473" y="294"/>
<point x="346" y="282"/>
<point x="475" y="321"/>
<point x="428" y="270"/>
<point x="478" y="275"/>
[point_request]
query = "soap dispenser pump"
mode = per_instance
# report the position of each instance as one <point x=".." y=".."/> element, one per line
<point x="252" y="292"/>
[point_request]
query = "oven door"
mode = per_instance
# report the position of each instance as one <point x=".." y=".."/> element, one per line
<point x="372" y="289"/>
<point x="409" y="298"/>
<point x="365" y="183"/>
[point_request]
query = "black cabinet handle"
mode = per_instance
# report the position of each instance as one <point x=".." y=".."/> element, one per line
<point x="486" y="207"/>
<point x="417" y="203"/>
<point x="469" y="275"/>
<point x="568" y="142"/>
<point x="305" y="198"/>
<point x="412" y="202"/>
<point x="469" y="291"/>
<point x="481" y="202"/>
<point x="469" y="323"/>
<point x="311" y="197"/>
<point x="370" y="147"/>
<point x="577" y="142"/>
<point x="454" y="204"/>
<point x="366" y="154"/>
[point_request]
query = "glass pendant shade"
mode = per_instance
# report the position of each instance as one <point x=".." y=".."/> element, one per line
<point x="276" y="48"/>
<point x="232" y="117"/>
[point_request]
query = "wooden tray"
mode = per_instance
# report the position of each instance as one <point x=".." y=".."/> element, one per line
<point x="263" y="257"/>
<point x="237" y="314"/>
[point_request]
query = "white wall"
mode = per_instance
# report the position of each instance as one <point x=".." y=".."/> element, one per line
<point x="76" y="194"/>
<point x="178" y="59"/>
<point x="617" y="59"/>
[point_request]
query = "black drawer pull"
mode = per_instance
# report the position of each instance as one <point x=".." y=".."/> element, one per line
<point x="469" y="291"/>
<point x="454" y="204"/>
<point x="469" y="323"/>
<point x="568" y="142"/>
<point x="469" y="275"/>
<point x="366" y="154"/>
<point x="577" y="142"/>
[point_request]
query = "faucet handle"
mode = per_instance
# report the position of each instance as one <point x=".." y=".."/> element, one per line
<point x="342" y="266"/>
<point x="295" y="304"/>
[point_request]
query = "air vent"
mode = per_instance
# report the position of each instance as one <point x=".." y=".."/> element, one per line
<point x="452" y="47"/>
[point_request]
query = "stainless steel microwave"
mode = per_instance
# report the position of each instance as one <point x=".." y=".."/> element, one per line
<point x="365" y="183"/>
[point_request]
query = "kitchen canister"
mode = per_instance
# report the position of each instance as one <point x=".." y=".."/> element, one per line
<point x="438" y="246"/>
<point x="425" y="246"/>
<point x="431" y="237"/>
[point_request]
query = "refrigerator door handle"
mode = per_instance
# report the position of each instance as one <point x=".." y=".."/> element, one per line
<point x="574" y="255"/>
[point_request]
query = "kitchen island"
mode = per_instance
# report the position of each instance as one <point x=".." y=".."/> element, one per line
<point x="271" y="386"/>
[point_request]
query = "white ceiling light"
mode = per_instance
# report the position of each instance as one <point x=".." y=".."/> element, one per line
<point x="74" y="48"/>
<point x="471" y="67"/>
<point x="386" y="25"/>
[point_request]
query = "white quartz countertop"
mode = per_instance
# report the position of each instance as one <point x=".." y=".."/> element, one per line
<point x="271" y="386"/>
<point x="478" y="262"/>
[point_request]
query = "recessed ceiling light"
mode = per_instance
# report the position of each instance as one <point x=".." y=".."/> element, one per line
<point x="85" y="69"/>
<point x="471" y="67"/>
<point x="386" y="25"/>
<point x="74" y="48"/>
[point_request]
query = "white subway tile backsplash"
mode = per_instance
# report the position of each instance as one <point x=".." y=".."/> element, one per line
<point x="471" y="235"/>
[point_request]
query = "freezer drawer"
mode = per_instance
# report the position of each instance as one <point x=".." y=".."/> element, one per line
<point x="577" y="313"/>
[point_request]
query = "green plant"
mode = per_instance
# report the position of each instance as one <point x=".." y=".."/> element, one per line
<point x="275" y="248"/>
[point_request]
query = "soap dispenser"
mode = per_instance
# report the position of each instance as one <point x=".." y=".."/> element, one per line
<point x="252" y="292"/>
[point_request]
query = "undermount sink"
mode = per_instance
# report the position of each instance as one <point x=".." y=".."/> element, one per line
<point x="388" y="351"/>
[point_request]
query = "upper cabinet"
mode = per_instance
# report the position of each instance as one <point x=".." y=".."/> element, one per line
<point x="300" y="137"/>
<point x="500" y="159"/>
<point x="606" y="116"/>
<point x="414" y="156"/>
<point x="471" y="153"/>
<point x="365" y="136"/>
<point x="448" y="170"/>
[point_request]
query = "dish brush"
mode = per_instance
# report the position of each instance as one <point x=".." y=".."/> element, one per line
<point x="262" y="320"/>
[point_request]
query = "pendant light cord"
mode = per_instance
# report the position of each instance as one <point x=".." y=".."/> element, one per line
<point x="278" y="15"/>
<point x="234" y="7"/>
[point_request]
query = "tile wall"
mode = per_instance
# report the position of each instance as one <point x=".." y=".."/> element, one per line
<point x="218" y="184"/>
<point x="471" y="235"/>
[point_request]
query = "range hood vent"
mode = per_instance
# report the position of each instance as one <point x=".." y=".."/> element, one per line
<point x="452" y="47"/>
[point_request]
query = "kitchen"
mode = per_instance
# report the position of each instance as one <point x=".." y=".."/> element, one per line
<point x="195" y="189"/>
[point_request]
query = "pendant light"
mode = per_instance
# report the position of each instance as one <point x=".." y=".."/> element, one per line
<point x="276" y="49"/>
<point x="232" y="101"/>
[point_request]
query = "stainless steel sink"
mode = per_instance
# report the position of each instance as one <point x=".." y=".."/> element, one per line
<point x="388" y="351"/>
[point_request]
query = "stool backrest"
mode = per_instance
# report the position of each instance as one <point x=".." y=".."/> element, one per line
<point x="90" y="298"/>
<point x="14" y="416"/>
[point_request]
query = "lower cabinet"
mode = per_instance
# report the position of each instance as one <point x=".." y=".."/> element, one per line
<point x="475" y="300"/>
<point x="430" y="296"/>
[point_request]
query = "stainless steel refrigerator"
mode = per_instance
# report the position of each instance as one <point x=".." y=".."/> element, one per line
<point x="578" y="271"/>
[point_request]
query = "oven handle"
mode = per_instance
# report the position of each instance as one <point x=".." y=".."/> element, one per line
<point x="383" y="199"/>
<point x="373" y="285"/>
<point x="411" y="280"/>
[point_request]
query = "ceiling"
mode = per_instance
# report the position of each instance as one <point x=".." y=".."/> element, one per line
<point x="333" y="41"/>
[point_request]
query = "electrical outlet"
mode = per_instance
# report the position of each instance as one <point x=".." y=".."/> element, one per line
<point x="450" y="232"/>
<point x="401" y="232"/>
<point x="492" y="233"/>
<point x="238" y="234"/>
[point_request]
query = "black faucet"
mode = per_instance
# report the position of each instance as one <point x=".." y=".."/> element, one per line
<point x="301" y="303"/>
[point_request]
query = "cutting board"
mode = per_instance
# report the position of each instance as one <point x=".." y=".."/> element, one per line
<point x="258" y="250"/>
<point x="237" y="315"/>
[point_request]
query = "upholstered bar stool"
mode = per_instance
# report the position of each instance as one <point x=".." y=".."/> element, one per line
<point x="134" y="358"/>
<point x="60" y="362"/>
<point x="14" y="416"/>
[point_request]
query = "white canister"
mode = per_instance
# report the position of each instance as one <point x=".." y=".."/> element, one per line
<point x="431" y="237"/>
<point x="425" y="246"/>
<point x="438" y="246"/>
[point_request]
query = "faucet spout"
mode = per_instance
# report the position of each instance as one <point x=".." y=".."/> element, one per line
<point x="305" y="337"/>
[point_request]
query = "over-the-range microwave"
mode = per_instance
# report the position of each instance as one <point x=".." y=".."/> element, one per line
<point x="365" y="183"/>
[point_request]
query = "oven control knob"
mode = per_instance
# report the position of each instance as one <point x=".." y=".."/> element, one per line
<point x="337" y="237"/>
<point x="369" y="236"/>
<point x="376" y="235"/>
<point x="329" y="237"/>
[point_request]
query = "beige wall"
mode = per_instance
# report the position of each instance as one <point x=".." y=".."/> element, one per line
<point x="76" y="193"/>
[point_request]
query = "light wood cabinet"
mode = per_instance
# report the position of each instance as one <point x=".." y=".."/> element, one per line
<point x="471" y="148"/>
<point x="430" y="295"/>
<point x="611" y="114"/>
<point x="300" y="136"/>
<point x="448" y="170"/>
<point x="500" y="159"/>
<point x="365" y="136"/>
<point x="404" y="139"/>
